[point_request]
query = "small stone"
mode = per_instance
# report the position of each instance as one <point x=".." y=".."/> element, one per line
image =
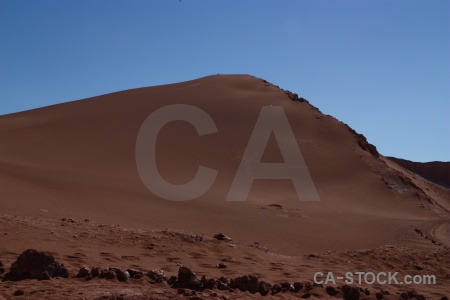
<point x="222" y="265"/>
<point x="110" y="274"/>
<point x="306" y="295"/>
<point x="276" y="288"/>
<point x="350" y="292"/>
<point x="193" y="238"/>
<point x="83" y="272"/>
<point x="95" y="272"/>
<point x="276" y="206"/>
<point x="208" y="284"/>
<point x="222" y="237"/>
<point x="157" y="275"/>
<point x="308" y="286"/>
<point x="298" y="286"/>
<point x="331" y="290"/>
<point x="222" y="285"/>
<point x="122" y="276"/>
<point x="135" y="274"/>
<point x="285" y="286"/>
<point x="172" y="280"/>
<point x="245" y="283"/>
<point x="264" y="288"/>
<point x="103" y="273"/>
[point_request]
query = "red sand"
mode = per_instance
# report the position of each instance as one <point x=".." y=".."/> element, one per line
<point x="77" y="160"/>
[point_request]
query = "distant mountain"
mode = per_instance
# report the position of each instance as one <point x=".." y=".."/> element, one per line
<point x="435" y="171"/>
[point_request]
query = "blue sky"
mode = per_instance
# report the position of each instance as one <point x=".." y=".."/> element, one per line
<point x="383" y="67"/>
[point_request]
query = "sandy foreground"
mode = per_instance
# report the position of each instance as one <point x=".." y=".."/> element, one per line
<point x="70" y="186"/>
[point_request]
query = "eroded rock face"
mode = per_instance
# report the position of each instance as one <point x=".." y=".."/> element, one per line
<point x="32" y="264"/>
<point x="2" y="268"/>
<point x="363" y="143"/>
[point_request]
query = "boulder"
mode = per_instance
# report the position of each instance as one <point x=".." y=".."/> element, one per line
<point x="188" y="279"/>
<point x="32" y="264"/>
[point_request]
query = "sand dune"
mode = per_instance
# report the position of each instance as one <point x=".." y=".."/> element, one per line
<point x="77" y="160"/>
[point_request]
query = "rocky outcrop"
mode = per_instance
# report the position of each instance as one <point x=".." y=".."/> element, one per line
<point x="363" y="143"/>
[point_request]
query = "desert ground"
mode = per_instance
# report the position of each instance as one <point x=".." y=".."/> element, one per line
<point x="70" y="186"/>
